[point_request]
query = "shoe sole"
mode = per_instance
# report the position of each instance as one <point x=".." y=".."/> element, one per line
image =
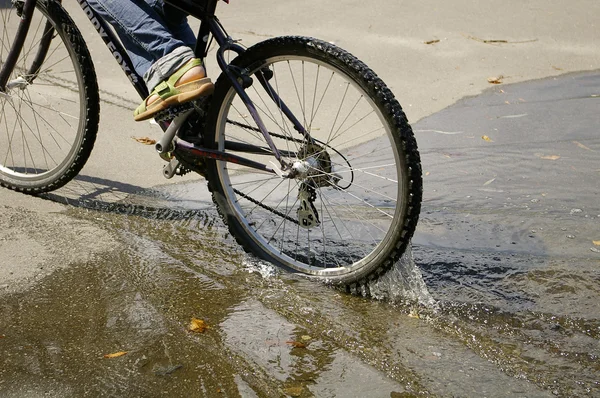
<point x="203" y="88"/>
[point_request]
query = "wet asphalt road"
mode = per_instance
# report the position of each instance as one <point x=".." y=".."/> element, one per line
<point x="500" y="299"/>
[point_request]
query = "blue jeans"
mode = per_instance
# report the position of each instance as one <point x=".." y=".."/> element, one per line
<point x="156" y="36"/>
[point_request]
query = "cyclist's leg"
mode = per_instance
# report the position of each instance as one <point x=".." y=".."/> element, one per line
<point x="177" y="22"/>
<point x="155" y="52"/>
<point x="147" y="37"/>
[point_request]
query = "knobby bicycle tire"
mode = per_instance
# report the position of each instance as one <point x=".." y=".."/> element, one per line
<point x="360" y="217"/>
<point x="48" y="125"/>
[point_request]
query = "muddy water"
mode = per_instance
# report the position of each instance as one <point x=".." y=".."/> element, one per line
<point x="438" y="329"/>
<point x="498" y="296"/>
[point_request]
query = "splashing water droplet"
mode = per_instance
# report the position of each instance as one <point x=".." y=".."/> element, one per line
<point x="403" y="283"/>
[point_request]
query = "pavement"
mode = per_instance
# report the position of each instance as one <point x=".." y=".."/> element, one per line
<point x="430" y="53"/>
<point x="532" y="139"/>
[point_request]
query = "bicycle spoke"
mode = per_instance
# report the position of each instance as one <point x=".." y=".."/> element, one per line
<point x="287" y="131"/>
<point x="39" y="136"/>
<point x="53" y="85"/>
<point x="331" y="219"/>
<point x="22" y="123"/>
<point x="356" y="215"/>
<point x="335" y="212"/>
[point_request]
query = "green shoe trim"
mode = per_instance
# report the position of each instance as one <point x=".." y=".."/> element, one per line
<point x="166" y="88"/>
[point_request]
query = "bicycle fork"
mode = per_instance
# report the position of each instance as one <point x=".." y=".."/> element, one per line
<point x="26" y="14"/>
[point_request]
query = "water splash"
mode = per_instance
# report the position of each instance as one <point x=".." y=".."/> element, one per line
<point x="265" y="270"/>
<point x="403" y="283"/>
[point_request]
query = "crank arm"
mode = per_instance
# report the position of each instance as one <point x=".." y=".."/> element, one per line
<point x="170" y="169"/>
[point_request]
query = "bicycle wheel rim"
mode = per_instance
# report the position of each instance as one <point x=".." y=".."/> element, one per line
<point x="43" y="121"/>
<point x="324" y="254"/>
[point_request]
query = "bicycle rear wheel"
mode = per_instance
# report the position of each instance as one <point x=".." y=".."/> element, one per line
<point x="352" y="209"/>
<point x="49" y="115"/>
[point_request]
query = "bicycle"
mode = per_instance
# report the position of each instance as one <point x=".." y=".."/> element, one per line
<point x="309" y="157"/>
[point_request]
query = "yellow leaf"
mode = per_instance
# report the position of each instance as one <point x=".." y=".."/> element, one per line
<point x="495" y="79"/>
<point x="580" y="145"/>
<point x="550" y="157"/>
<point x="145" y="140"/>
<point x="115" y="354"/>
<point x="596" y="242"/>
<point x="197" y="325"/>
<point x="486" y="138"/>
<point x="305" y="337"/>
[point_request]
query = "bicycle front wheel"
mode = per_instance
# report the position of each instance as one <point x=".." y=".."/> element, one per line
<point x="49" y="112"/>
<point x="352" y="207"/>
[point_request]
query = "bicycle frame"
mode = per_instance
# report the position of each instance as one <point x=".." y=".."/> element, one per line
<point x="210" y="25"/>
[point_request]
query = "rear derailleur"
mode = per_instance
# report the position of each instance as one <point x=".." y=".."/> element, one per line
<point x="308" y="217"/>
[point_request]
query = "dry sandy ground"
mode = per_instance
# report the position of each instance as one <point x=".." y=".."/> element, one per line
<point x="430" y="52"/>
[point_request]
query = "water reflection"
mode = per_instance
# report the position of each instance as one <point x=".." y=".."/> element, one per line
<point x="302" y="362"/>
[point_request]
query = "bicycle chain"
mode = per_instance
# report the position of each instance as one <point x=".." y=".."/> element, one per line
<point x="254" y="129"/>
<point x="256" y="202"/>
<point x="312" y="193"/>
<point x="182" y="170"/>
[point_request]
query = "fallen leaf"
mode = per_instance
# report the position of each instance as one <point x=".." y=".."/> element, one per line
<point x="293" y="391"/>
<point x="495" y="79"/>
<point x="580" y="145"/>
<point x="145" y="140"/>
<point x="115" y="354"/>
<point x="296" y="344"/>
<point x="432" y="41"/>
<point x="489" y="182"/>
<point x="306" y="338"/>
<point x="556" y="68"/>
<point x="499" y="41"/>
<point x="512" y="116"/>
<point x="197" y="325"/>
<point x="486" y="138"/>
<point x="594" y="250"/>
<point x="427" y="173"/>
<point x="596" y="242"/>
<point x="550" y="157"/>
<point x="488" y="41"/>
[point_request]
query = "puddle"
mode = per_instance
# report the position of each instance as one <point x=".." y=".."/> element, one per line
<point x="498" y="296"/>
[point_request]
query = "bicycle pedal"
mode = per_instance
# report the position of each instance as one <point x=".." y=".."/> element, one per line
<point x="173" y="111"/>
